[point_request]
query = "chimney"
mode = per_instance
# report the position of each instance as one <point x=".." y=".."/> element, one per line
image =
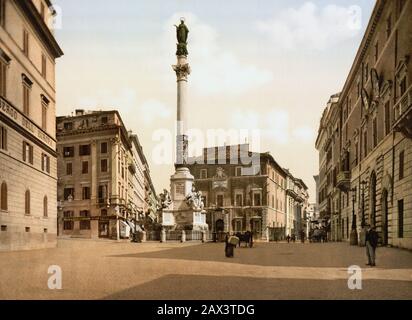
<point x="79" y="112"/>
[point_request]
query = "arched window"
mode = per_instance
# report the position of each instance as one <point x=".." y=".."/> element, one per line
<point x="27" y="202"/>
<point x="3" y="202"/>
<point x="45" y="207"/>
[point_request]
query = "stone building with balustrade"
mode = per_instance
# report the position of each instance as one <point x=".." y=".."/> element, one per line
<point x="103" y="176"/>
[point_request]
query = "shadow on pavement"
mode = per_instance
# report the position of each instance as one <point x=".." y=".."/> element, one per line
<point x="282" y="254"/>
<point x="179" y="287"/>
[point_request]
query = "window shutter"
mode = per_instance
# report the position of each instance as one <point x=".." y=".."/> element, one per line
<point x="42" y="161"/>
<point x="24" y="151"/>
<point x="48" y="164"/>
<point x="31" y="154"/>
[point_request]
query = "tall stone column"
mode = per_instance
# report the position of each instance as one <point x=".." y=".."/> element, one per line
<point x="182" y="70"/>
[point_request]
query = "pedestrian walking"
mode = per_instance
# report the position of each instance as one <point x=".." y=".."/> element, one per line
<point x="371" y="244"/>
<point x="293" y="238"/>
<point x="288" y="238"/>
<point x="302" y="236"/>
<point x="230" y="244"/>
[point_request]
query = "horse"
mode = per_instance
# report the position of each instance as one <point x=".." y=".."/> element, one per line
<point x="245" y="237"/>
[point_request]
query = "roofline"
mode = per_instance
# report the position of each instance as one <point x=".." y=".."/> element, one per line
<point x="40" y="26"/>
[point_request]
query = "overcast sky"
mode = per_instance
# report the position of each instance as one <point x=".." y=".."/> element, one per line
<point x="267" y="65"/>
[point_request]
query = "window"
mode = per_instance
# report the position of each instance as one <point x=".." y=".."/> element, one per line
<point x="400" y="218"/>
<point x="103" y="120"/>
<point x="365" y="143"/>
<point x="26" y="42"/>
<point x="3" y="228"/>
<point x="69" y="168"/>
<point x="387" y="118"/>
<point x="376" y="51"/>
<point x="103" y="147"/>
<point x="68" y="126"/>
<point x="219" y="200"/>
<point x="238" y="171"/>
<point x="86" y="193"/>
<point x="2" y="13"/>
<point x="45" y="163"/>
<point x="27" y="83"/>
<point x="68" y="193"/>
<point x="84" y="150"/>
<point x="3" y="73"/>
<point x="401" y="164"/>
<point x="103" y="165"/>
<point x="43" y="66"/>
<point x="388" y="26"/>
<point x="3" y="198"/>
<point x="68" y="222"/>
<point x="44" y="106"/>
<point x="45" y="213"/>
<point x="403" y="86"/>
<point x="27" y="229"/>
<point x="356" y="153"/>
<point x="3" y="138"/>
<point x="257" y="199"/>
<point x="85" y="167"/>
<point x="375" y="132"/>
<point x="366" y="75"/>
<point x="239" y="200"/>
<point x="103" y="212"/>
<point x="102" y="193"/>
<point x="27" y="152"/>
<point x="85" y="222"/>
<point x="273" y="201"/>
<point x="203" y="174"/>
<point x="27" y="202"/>
<point x="68" y="152"/>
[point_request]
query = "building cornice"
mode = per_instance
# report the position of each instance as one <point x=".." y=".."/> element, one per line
<point x="40" y="26"/>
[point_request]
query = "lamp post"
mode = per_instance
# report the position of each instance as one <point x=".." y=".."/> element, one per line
<point x="363" y="184"/>
<point x="362" y="237"/>
<point x="354" y="232"/>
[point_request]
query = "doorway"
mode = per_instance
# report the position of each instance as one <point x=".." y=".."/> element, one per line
<point x="103" y="229"/>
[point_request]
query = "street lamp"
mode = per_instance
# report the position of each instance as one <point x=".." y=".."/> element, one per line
<point x="363" y="184"/>
<point x="354" y="232"/>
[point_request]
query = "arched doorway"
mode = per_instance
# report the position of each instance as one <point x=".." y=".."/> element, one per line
<point x="372" y="211"/>
<point x="385" y="224"/>
<point x="220" y="225"/>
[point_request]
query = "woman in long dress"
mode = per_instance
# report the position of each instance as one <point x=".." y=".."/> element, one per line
<point x="229" y="248"/>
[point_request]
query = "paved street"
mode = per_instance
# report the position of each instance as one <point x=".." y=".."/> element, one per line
<point x="110" y="270"/>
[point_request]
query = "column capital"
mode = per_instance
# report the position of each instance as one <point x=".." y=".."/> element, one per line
<point x="182" y="71"/>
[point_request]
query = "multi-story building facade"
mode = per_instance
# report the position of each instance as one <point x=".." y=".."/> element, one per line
<point x="239" y="201"/>
<point x="297" y="198"/>
<point x="28" y="174"/>
<point x="102" y="175"/>
<point x="367" y="132"/>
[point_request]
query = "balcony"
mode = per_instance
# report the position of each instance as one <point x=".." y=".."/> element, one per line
<point x="403" y="114"/>
<point x="343" y="180"/>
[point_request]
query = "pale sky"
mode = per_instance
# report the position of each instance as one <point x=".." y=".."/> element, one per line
<point x="267" y="65"/>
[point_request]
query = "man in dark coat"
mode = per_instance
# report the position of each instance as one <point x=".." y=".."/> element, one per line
<point x="371" y="244"/>
<point x="229" y="248"/>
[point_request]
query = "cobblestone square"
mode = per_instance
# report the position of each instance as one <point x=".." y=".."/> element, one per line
<point x="152" y="270"/>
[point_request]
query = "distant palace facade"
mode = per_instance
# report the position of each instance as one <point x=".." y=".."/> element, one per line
<point x="242" y="196"/>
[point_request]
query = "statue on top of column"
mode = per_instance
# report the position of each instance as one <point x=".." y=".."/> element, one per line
<point x="182" y="33"/>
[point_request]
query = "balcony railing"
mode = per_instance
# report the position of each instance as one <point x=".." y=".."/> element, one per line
<point x="403" y="114"/>
<point x="343" y="180"/>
